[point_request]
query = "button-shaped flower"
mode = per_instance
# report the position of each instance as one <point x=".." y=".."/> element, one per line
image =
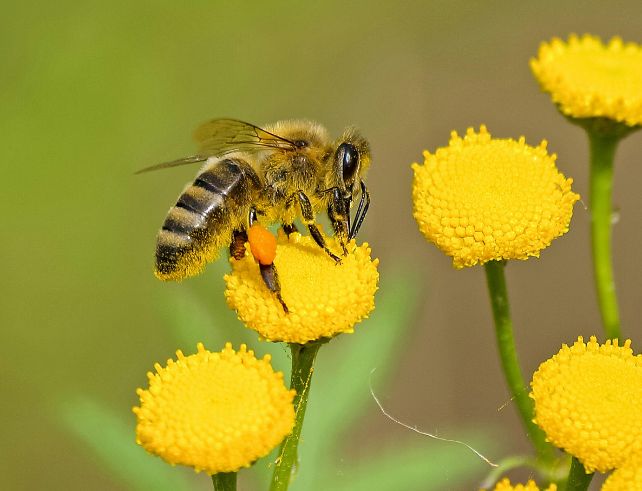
<point x="588" y="79"/>
<point x="324" y="298"/>
<point x="216" y="412"/>
<point x="482" y="199"/>
<point x="588" y="400"/>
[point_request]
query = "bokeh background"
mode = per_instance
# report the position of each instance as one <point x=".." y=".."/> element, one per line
<point x="92" y="91"/>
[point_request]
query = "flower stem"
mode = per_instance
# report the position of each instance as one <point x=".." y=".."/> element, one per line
<point x="603" y="147"/>
<point x="510" y="364"/>
<point x="224" y="481"/>
<point x="303" y="356"/>
<point x="578" y="479"/>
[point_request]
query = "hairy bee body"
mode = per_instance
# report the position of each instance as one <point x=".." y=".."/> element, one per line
<point x="275" y="174"/>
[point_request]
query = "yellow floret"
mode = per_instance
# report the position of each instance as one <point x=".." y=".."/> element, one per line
<point x="588" y="79"/>
<point x="324" y="298"/>
<point x="588" y="400"/>
<point x="505" y="485"/>
<point x="482" y="199"/>
<point x="216" y="412"/>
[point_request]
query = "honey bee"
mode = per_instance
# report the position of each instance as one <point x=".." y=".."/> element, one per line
<point x="290" y="169"/>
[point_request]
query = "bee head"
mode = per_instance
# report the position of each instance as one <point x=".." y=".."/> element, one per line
<point x="351" y="160"/>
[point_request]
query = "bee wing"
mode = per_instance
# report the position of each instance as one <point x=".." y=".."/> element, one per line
<point x="174" y="163"/>
<point x="223" y="136"/>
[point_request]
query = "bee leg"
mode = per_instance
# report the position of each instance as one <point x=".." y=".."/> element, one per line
<point x="364" y="204"/>
<point x="271" y="280"/>
<point x="339" y="214"/>
<point x="263" y="247"/>
<point x="318" y="238"/>
<point x="237" y="246"/>
<point x="308" y="219"/>
<point x="239" y="237"/>
<point x="289" y="228"/>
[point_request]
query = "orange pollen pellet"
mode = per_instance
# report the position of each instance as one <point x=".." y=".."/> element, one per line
<point x="262" y="244"/>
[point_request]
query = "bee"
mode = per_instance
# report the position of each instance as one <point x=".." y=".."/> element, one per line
<point x="288" y="170"/>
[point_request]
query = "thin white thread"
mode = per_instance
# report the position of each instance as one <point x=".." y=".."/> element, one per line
<point x="507" y="403"/>
<point x="417" y="430"/>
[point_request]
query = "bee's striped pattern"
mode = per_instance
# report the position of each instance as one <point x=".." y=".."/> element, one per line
<point x="204" y="217"/>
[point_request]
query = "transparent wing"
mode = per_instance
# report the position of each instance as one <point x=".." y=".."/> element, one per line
<point x="223" y="136"/>
<point x="174" y="163"/>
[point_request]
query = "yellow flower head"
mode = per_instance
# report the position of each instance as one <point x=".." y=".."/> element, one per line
<point x="505" y="485"/>
<point x="482" y="199"/>
<point x="626" y="478"/>
<point x="324" y="298"/>
<point x="587" y="79"/>
<point x="216" y="412"/>
<point x="588" y="400"/>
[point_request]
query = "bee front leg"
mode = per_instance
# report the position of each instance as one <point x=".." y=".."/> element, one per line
<point x="364" y="204"/>
<point x="308" y="219"/>
<point x="339" y="214"/>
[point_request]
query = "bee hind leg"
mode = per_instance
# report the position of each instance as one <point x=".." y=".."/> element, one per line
<point x="263" y="247"/>
<point x="268" y="271"/>
<point x="271" y="280"/>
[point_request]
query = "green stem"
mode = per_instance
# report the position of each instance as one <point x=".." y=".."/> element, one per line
<point x="510" y="363"/>
<point x="578" y="479"/>
<point x="603" y="147"/>
<point x="303" y="356"/>
<point x="224" y="481"/>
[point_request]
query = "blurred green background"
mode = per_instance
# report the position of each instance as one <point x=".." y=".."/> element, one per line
<point x="92" y="91"/>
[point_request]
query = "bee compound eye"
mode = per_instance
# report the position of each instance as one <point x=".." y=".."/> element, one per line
<point x="349" y="156"/>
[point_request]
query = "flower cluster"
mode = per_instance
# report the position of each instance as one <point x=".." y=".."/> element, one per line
<point x="588" y="79"/>
<point x="216" y="412"/>
<point x="482" y="199"/>
<point x="588" y="400"/>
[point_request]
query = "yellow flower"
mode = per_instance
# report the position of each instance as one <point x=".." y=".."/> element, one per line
<point x="626" y="478"/>
<point x="505" y="485"/>
<point x="216" y="412"/>
<point x="587" y="79"/>
<point x="588" y="400"/>
<point x="482" y="199"/>
<point x="324" y="298"/>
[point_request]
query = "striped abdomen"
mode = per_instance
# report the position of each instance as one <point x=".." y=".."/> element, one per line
<point x="204" y="217"/>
